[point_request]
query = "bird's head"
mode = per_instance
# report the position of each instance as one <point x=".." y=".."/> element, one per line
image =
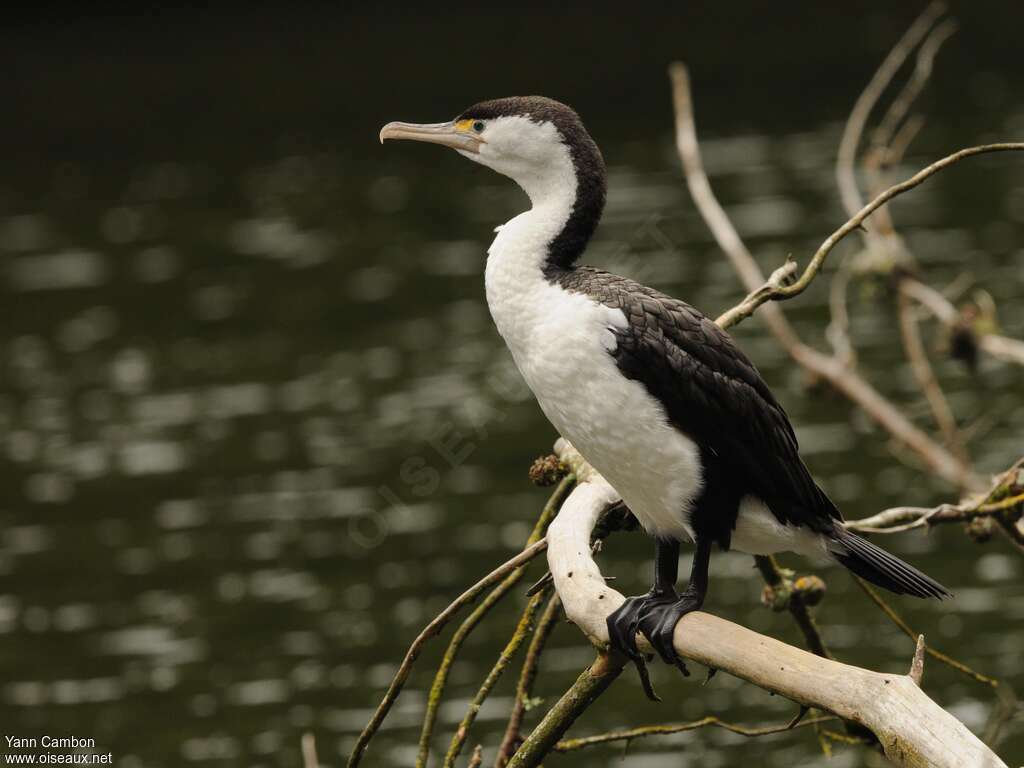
<point x="538" y="142"/>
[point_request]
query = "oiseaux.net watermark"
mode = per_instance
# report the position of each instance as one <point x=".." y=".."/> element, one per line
<point x="52" y="750"/>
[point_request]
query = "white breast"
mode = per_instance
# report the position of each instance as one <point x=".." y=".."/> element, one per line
<point x="561" y="342"/>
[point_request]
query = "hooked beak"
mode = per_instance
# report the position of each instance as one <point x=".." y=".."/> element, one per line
<point x="447" y="134"/>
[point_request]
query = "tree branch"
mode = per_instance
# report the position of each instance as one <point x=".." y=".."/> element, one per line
<point x="912" y="729"/>
<point x="518" y="638"/>
<point x="854" y="128"/>
<point x="942" y="309"/>
<point x="438" y="623"/>
<point x="910" y="333"/>
<point x="896" y="619"/>
<point x="512" y="738"/>
<point x="770" y="292"/>
<point x="795" y="603"/>
<point x="831" y="369"/>
<point x="588" y="686"/>
<point x="1006" y="495"/>
<point x="569" y="745"/>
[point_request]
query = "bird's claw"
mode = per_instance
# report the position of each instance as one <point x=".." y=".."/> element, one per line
<point x="658" y="623"/>
<point x="804" y="709"/>
<point x="622" y="627"/>
<point x="645" y="679"/>
<point x="624" y="622"/>
<point x="654" y="615"/>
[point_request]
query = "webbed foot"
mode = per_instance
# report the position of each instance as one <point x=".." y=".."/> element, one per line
<point x="657" y="622"/>
<point x="624" y="621"/>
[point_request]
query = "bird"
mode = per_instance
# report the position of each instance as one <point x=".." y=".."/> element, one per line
<point x="652" y="393"/>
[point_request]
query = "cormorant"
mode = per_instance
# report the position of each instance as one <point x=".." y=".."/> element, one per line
<point x="652" y="393"/>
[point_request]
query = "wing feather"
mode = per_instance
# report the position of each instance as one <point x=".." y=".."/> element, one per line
<point x="712" y="392"/>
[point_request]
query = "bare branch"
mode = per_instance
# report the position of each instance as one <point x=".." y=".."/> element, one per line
<point x="795" y="603"/>
<point x="926" y="380"/>
<point x="309" y="758"/>
<point x="434" y="628"/>
<point x="841" y="377"/>
<point x="912" y="729"/>
<point x="942" y="309"/>
<point x="882" y="138"/>
<point x="1003" y="348"/>
<point x="710" y="209"/>
<point x="917" y="663"/>
<point x="518" y="638"/>
<point x="510" y="742"/>
<point x="838" y="330"/>
<point x="588" y="686"/>
<point x="780" y="293"/>
<point x="895" y="618"/>
<point x="569" y="745"/>
<point x="854" y="129"/>
<point x="1003" y="496"/>
<point x="478" y="614"/>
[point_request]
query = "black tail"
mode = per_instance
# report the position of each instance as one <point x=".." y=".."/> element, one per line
<point x="879" y="567"/>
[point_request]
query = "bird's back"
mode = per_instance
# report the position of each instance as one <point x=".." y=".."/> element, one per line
<point x="711" y="392"/>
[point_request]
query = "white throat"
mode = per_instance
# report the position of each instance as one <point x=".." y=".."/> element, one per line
<point x="514" y="278"/>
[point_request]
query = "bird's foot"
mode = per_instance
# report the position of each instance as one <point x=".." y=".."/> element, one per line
<point x="624" y="621"/>
<point x="658" y="623"/>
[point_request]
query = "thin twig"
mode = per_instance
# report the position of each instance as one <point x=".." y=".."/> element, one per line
<point x="839" y="376"/>
<point x="854" y="129"/>
<point x="434" y="628"/>
<point x="778" y="292"/>
<point x="895" y="618"/>
<point x="524" y="688"/>
<point x="711" y="210"/>
<point x="797" y="607"/>
<point x="1011" y="530"/>
<point x="1000" y="498"/>
<point x="588" y="686"/>
<point x="910" y="333"/>
<point x="892" y="137"/>
<point x="568" y="745"/>
<point x="882" y="138"/>
<point x="473" y="620"/>
<point x="309" y="758"/>
<point x="916" y="672"/>
<point x="838" y="329"/>
<point x="1000" y="347"/>
<point x="519" y="636"/>
<point x="454" y="646"/>
<point x="901" y="519"/>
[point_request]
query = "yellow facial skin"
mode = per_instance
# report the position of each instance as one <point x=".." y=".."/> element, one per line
<point x="457" y="134"/>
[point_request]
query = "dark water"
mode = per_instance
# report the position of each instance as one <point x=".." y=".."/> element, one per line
<point x="257" y="427"/>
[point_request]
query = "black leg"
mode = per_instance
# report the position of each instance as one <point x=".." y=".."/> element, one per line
<point x="666" y="566"/>
<point x="625" y="620"/>
<point x="658" y="620"/>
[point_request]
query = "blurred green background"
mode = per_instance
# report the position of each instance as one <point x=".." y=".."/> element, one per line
<point x="235" y="330"/>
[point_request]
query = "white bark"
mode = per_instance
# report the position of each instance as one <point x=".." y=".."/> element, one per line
<point x="914" y="731"/>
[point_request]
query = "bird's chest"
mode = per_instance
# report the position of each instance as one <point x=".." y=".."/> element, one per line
<point x="563" y="344"/>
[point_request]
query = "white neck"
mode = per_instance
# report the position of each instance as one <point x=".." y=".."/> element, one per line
<point x="514" y="277"/>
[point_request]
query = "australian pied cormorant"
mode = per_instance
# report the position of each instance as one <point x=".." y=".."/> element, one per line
<point x="651" y="392"/>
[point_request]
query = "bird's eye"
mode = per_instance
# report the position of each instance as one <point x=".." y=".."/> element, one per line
<point x="478" y="126"/>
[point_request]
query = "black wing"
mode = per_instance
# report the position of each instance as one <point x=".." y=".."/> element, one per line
<point x="712" y="392"/>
